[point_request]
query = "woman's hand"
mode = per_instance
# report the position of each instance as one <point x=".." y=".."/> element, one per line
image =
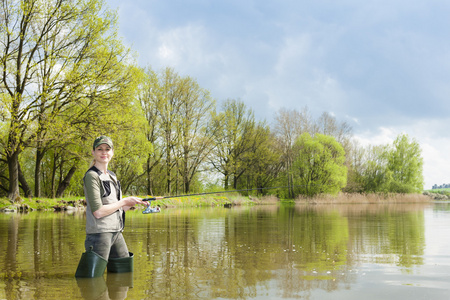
<point x="132" y="201"/>
<point x="125" y="203"/>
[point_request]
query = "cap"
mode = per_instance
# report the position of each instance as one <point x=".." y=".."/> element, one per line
<point x="103" y="139"/>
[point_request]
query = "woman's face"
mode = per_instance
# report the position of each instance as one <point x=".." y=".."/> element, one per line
<point x="103" y="153"/>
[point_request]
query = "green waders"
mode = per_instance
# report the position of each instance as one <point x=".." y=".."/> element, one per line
<point x="121" y="265"/>
<point x="91" y="265"/>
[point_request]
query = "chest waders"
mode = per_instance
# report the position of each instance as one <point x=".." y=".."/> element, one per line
<point x="93" y="265"/>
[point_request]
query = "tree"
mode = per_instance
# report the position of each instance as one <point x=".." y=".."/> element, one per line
<point x="405" y="165"/>
<point x="130" y="154"/>
<point x="195" y="130"/>
<point x="328" y="125"/>
<point x="319" y="165"/>
<point x="289" y="125"/>
<point x="149" y="98"/>
<point x="59" y="61"/>
<point x="373" y="173"/>
<point x="355" y="162"/>
<point x="234" y="142"/>
<point x="395" y="168"/>
<point x="178" y="113"/>
<point x="264" y="161"/>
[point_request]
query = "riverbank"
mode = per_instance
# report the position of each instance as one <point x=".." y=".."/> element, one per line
<point x="77" y="203"/>
<point x="225" y="200"/>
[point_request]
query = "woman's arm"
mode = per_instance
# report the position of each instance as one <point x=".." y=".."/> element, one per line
<point x="125" y="204"/>
<point x="93" y="195"/>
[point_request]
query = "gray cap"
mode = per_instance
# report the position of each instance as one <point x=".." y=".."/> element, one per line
<point x="103" y="139"/>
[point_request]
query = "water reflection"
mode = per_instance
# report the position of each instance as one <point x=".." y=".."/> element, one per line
<point x="115" y="287"/>
<point x="239" y="253"/>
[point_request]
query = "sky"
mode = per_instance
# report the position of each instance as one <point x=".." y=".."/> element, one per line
<point x="381" y="66"/>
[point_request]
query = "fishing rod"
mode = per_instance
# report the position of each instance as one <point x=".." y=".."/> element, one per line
<point x="150" y="209"/>
<point x="156" y="209"/>
<point x="208" y="193"/>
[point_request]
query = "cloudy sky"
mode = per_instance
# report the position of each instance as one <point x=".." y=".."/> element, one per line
<point x="381" y="66"/>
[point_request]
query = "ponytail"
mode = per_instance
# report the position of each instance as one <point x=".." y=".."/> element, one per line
<point x="92" y="163"/>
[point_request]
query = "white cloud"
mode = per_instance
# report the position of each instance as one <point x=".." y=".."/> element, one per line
<point x="292" y="56"/>
<point x="382" y="136"/>
<point x="181" y="45"/>
<point x="381" y="65"/>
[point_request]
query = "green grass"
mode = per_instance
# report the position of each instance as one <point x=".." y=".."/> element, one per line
<point x="440" y="191"/>
<point x="41" y="203"/>
<point x="45" y="204"/>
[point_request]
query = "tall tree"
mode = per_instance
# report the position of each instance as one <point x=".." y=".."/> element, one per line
<point x="130" y="152"/>
<point x="58" y="58"/>
<point x="405" y="164"/>
<point x="263" y="161"/>
<point x="373" y="172"/>
<point x="395" y="168"/>
<point x="166" y="97"/>
<point x="319" y="165"/>
<point x="289" y="125"/>
<point x="234" y="140"/>
<point x="355" y="163"/>
<point x="178" y="113"/>
<point x="195" y="130"/>
<point x="328" y="125"/>
<point x="150" y="97"/>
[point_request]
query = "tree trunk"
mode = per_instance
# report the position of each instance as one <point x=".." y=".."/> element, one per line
<point x="13" y="163"/>
<point x="37" y="172"/>
<point x="187" y="185"/>
<point x="225" y="181"/>
<point x="149" y="178"/>
<point x="168" y="177"/>
<point x="65" y="182"/>
<point x="25" y="187"/>
<point x="53" y="180"/>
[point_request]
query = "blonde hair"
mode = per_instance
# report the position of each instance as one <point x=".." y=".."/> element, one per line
<point x="92" y="163"/>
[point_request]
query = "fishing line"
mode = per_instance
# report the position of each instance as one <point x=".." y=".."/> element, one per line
<point x="150" y="209"/>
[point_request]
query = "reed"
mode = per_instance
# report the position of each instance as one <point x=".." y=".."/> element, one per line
<point x="369" y="198"/>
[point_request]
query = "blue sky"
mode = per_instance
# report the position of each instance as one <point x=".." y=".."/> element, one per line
<point x="381" y="66"/>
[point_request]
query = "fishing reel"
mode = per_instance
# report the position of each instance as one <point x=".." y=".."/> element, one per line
<point x="150" y="209"/>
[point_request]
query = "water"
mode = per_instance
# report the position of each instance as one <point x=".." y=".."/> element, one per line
<point x="263" y="252"/>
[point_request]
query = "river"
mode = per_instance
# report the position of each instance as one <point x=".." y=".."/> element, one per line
<point x="262" y="252"/>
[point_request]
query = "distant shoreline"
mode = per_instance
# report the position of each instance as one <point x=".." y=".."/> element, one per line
<point x="77" y="203"/>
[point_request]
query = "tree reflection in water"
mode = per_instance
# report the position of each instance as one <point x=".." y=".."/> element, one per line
<point x="198" y="253"/>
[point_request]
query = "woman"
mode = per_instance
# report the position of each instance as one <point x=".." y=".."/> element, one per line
<point x="105" y="216"/>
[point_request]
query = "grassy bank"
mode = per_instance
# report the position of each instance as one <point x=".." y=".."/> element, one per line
<point x="232" y="199"/>
<point x="70" y="203"/>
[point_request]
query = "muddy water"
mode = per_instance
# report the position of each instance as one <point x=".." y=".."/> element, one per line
<point x="263" y="252"/>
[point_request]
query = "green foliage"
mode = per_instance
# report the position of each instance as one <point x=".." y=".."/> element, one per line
<point x="375" y="176"/>
<point x="68" y="78"/>
<point x="263" y="161"/>
<point x="238" y="140"/>
<point x="393" y="168"/>
<point x="178" y="115"/>
<point x="445" y="191"/>
<point x="318" y="165"/>
<point x="405" y="166"/>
